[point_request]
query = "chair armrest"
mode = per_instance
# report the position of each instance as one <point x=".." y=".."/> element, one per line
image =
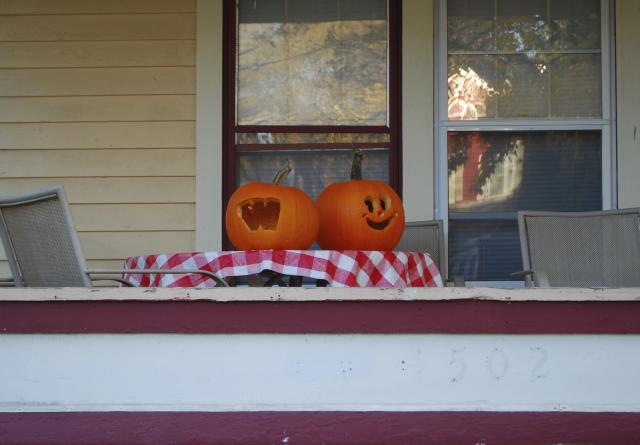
<point x="527" y="275"/>
<point x="521" y="273"/>
<point x="219" y="281"/>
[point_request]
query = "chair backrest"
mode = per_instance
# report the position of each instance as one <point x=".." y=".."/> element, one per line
<point x="426" y="236"/>
<point x="583" y="249"/>
<point x="40" y="240"/>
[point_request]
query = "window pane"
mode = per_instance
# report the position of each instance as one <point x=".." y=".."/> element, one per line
<point x="536" y="170"/>
<point x="471" y="87"/>
<point x="576" y="81"/>
<point x="312" y="62"/>
<point x="470" y="25"/>
<point x="575" y="24"/>
<point x="521" y="25"/>
<point x="523" y="86"/>
<point x="484" y="250"/>
<point x="312" y="170"/>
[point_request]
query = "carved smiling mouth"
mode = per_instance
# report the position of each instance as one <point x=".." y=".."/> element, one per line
<point x="379" y="225"/>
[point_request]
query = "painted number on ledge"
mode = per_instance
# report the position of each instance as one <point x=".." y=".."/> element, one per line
<point x="497" y="364"/>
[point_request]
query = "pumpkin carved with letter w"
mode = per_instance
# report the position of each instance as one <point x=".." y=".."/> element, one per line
<point x="271" y="216"/>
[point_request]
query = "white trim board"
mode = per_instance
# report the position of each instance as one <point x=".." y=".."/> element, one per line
<point x="209" y="125"/>
<point x="172" y="372"/>
<point x="275" y="294"/>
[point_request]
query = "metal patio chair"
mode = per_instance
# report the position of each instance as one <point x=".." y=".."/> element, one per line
<point x="580" y="249"/>
<point x="428" y="236"/>
<point x="42" y="245"/>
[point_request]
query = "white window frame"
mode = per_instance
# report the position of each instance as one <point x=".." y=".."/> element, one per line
<point x="442" y="124"/>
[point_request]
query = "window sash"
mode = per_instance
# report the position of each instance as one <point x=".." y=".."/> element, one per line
<point x="606" y="39"/>
<point x="393" y="90"/>
<point x="231" y="150"/>
<point x="443" y="125"/>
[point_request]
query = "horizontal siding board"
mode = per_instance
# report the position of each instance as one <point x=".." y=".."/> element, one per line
<point x="95" y="6"/>
<point x="93" y="190"/>
<point x="97" y="27"/>
<point x="97" y="54"/>
<point x="87" y="163"/>
<point x="5" y="272"/>
<point x="99" y="96"/>
<point x="97" y="81"/>
<point x="130" y="217"/>
<point x="105" y="264"/>
<point x="90" y="135"/>
<point x="97" y="108"/>
<point x="120" y="245"/>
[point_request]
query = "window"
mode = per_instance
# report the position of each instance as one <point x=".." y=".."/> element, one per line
<point x="523" y="122"/>
<point x="306" y="82"/>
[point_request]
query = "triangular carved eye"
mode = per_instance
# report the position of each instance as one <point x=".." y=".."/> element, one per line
<point x="260" y="213"/>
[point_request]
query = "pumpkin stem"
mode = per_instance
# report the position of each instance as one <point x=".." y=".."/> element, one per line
<point x="282" y="174"/>
<point x="356" y="164"/>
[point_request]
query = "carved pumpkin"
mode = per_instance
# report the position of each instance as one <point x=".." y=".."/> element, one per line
<point x="359" y="214"/>
<point x="271" y="216"/>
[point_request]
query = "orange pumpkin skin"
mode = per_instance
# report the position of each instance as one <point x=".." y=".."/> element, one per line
<point x="270" y="216"/>
<point x="360" y="215"/>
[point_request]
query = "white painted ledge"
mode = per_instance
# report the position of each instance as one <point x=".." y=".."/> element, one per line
<point x="217" y="373"/>
<point x="317" y="294"/>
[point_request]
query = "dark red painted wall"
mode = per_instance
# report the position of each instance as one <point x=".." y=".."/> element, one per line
<point x="316" y="428"/>
<point x="452" y="316"/>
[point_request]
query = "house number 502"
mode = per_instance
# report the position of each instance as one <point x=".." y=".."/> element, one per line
<point x="497" y="364"/>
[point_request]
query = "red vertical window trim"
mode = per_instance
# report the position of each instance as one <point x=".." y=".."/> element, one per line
<point x="229" y="108"/>
<point x="395" y="94"/>
<point x="394" y="127"/>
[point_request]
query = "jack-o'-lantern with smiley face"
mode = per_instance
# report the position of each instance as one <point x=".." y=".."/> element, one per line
<point x="360" y="214"/>
<point x="271" y="216"/>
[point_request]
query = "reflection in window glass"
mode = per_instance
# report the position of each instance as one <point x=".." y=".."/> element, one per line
<point x="471" y="25"/>
<point x="312" y="62"/>
<point x="575" y="24"/>
<point x="525" y="86"/>
<point x="471" y="90"/>
<point x="575" y="84"/>
<point x="534" y="59"/>
<point x="508" y="171"/>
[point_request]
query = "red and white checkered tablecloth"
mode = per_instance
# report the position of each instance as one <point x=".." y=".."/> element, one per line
<point x="352" y="268"/>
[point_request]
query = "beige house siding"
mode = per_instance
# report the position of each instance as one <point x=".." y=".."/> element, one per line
<point x="628" y="94"/>
<point x="99" y="96"/>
